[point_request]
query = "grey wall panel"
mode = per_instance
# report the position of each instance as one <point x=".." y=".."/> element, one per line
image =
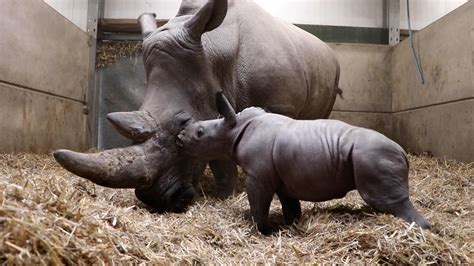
<point x="36" y="122"/>
<point x="377" y="121"/>
<point x="122" y="89"/>
<point x="446" y="131"/>
<point x="42" y="50"/>
<point x="365" y="77"/>
<point x="438" y="116"/>
<point x="445" y="50"/>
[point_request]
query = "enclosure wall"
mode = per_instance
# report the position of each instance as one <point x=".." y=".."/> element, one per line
<point x="366" y="99"/>
<point x="44" y="64"/>
<point x="437" y="116"/>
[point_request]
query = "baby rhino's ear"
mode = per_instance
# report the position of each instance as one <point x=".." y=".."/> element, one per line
<point x="225" y="109"/>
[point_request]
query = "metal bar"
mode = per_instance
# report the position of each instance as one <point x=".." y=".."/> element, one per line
<point x="393" y="21"/>
<point x="119" y="36"/>
<point x="91" y="109"/>
<point x="124" y="25"/>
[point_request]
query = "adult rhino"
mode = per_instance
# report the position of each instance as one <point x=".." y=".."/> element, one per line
<point x="236" y="47"/>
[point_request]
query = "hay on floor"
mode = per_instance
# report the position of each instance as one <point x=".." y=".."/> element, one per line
<point x="48" y="215"/>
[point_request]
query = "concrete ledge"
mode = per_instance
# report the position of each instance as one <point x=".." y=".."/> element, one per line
<point x="37" y="122"/>
<point x="444" y="130"/>
<point x="41" y="49"/>
<point x="365" y="76"/>
<point x="377" y="121"/>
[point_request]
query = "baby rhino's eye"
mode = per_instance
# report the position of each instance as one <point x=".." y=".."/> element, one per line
<point x="200" y="132"/>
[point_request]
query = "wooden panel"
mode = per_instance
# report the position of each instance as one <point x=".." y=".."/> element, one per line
<point x="36" y="122"/>
<point x="41" y="49"/>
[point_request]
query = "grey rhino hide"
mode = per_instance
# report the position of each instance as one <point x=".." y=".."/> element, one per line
<point x="311" y="160"/>
<point x="235" y="46"/>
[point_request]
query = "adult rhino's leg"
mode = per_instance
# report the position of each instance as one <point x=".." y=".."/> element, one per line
<point x="226" y="176"/>
<point x="291" y="208"/>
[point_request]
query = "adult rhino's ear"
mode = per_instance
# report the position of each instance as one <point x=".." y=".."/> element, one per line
<point x="225" y="109"/>
<point x="189" y="7"/>
<point x="209" y="17"/>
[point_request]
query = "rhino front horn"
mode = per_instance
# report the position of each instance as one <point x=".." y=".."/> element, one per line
<point x="117" y="168"/>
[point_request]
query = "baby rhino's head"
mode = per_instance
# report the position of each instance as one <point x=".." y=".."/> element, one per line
<point x="210" y="139"/>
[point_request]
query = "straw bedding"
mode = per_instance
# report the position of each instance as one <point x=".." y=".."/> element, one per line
<point x="109" y="52"/>
<point x="50" y="216"/>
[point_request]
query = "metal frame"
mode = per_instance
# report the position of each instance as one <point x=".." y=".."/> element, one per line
<point x="95" y="10"/>
<point x="392" y="8"/>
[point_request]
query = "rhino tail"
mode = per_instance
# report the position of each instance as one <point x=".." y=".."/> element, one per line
<point x="339" y="92"/>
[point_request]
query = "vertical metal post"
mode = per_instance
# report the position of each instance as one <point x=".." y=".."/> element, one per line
<point x="92" y="96"/>
<point x="393" y="21"/>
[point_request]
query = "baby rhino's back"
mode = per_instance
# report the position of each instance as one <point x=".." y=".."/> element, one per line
<point x="313" y="159"/>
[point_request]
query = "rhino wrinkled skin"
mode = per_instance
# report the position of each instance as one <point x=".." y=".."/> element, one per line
<point x="235" y="46"/>
<point x="310" y="160"/>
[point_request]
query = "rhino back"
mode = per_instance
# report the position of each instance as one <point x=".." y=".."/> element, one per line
<point x="254" y="137"/>
<point x="263" y="61"/>
<point x="313" y="159"/>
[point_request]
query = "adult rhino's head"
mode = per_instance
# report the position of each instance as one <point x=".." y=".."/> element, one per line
<point x="180" y="87"/>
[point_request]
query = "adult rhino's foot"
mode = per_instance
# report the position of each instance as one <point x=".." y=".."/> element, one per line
<point x="226" y="176"/>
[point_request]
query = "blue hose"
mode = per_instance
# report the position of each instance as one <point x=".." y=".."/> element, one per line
<point x="418" y="68"/>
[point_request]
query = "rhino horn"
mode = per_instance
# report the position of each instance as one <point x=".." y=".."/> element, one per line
<point x="117" y="168"/>
<point x="147" y="23"/>
<point x="137" y="126"/>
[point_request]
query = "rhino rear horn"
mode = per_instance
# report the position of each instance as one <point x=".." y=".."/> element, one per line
<point x="225" y="109"/>
<point x="117" y="168"/>
<point x="209" y="17"/>
<point x="137" y="126"/>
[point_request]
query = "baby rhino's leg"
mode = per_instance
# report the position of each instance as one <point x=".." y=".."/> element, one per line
<point x="382" y="181"/>
<point x="260" y="197"/>
<point x="291" y="208"/>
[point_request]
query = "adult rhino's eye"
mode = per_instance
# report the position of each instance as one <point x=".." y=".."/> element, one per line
<point x="200" y="132"/>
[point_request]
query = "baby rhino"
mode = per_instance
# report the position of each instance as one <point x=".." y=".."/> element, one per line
<point x="310" y="160"/>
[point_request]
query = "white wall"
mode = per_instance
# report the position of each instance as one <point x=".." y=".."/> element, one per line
<point x="425" y="12"/>
<point x="74" y="10"/>
<point x="164" y="9"/>
<point x="362" y="13"/>
<point x="358" y="13"/>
